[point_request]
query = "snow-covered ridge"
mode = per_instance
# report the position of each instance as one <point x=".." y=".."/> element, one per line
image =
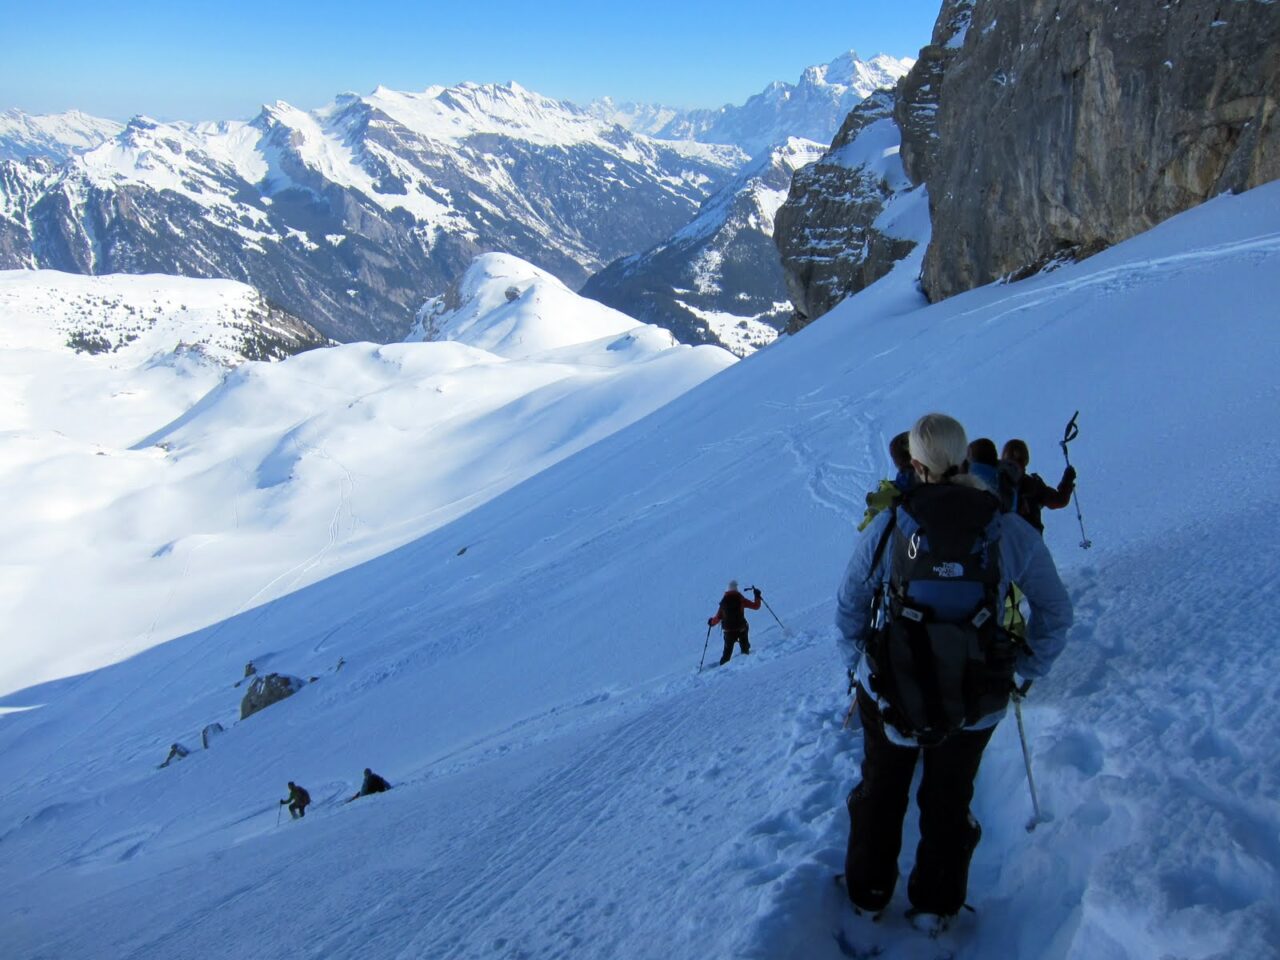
<point x="128" y="318"/>
<point x="511" y="308"/>
<point x="56" y="136"/>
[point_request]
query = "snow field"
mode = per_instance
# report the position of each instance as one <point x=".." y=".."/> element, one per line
<point x="206" y="493"/>
<point x="568" y="786"/>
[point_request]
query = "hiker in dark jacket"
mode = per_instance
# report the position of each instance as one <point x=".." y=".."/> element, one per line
<point x="297" y="800"/>
<point x="946" y="504"/>
<point x="889" y="491"/>
<point x="732" y="619"/>
<point x="1033" y="494"/>
<point x="372" y="784"/>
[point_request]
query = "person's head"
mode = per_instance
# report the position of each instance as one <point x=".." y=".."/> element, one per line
<point x="290" y="784"/>
<point x="367" y="772"/>
<point x="900" y="451"/>
<point x="1016" y="451"/>
<point x="938" y="450"/>
<point x="983" y="451"/>
<point x="733" y="584"/>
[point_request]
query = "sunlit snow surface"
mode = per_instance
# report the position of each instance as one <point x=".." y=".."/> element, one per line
<point x="567" y="785"/>
<point x="148" y="492"/>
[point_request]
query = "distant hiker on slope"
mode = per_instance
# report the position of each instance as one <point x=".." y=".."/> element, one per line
<point x="889" y="491"/>
<point x="921" y="591"/>
<point x="372" y="784"/>
<point x="297" y="800"/>
<point x="1033" y="494"/>
<point x="732" y="619"/>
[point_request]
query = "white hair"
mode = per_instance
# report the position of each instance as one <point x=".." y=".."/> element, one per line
<point x="939" y="444"/>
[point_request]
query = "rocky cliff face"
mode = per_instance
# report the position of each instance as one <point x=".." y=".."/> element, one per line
<point x="1043" y="130"/>
<point x="852" y="215"/>
<point x="919" y="93"/>
<point x="1066" y="126"/>
<point x="826" y="232"/>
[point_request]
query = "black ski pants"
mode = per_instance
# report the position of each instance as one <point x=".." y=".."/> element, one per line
<point x="878" y="804"/>
<point x="730" y="638"/>
<point x="297" y="810"/>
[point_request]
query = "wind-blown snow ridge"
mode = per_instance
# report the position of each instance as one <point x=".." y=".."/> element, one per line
<point x="567" y="784"/>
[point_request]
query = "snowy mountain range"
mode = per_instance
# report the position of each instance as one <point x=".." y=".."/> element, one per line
<point x="566" y="783"/>
<point x="810" y="109"/>
<point x="53" y="136"/>
<point x="350" y="216"/>
<point x="719" y="279"/>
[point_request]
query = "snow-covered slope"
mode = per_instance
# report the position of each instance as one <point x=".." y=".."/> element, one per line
<point x="567" y="785"/>
<point x="202" y="498"/>
<point x="56" y="136"/>
<point x="509" y="307"/>
<point x="810" y="109"/>
<point x="351" y="214"/>
<point x="718" y="279"/>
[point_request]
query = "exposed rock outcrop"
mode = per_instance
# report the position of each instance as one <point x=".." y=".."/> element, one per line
<point x="919" y="93"/>
<point x="267" y="689"/>
<point x="826" y="232"/>
<point x="1066" y="126"/>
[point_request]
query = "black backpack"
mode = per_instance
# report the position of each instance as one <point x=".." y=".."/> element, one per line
<point x="940" y="659"/>
<point x="731" y="614"/>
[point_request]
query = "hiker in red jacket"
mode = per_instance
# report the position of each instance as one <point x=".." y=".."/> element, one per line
<point x="732" y="619"/>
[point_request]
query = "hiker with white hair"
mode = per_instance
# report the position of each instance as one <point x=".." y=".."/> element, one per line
<point x="733" y="620"/>
<point x="918" y="617"/>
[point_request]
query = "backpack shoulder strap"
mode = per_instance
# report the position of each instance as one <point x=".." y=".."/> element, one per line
<point x="884" y="542"/>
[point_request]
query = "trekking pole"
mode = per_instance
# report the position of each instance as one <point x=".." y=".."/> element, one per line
<point x="704" y="648"/>
<point x="1068" y="435"/>
<point x="770" y="609"/>
<point x="279" y="812"/>
<point x="1018" y="694"/>
<point x="853" y="703"/>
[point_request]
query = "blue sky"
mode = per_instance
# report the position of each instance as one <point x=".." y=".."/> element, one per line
<point x="220" y="61"/>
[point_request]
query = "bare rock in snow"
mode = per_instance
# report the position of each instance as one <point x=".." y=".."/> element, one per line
<point x="268" y="689"/>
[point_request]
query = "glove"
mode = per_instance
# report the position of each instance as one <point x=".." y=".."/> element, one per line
<point x="283" y="802"/>
<point x="1069" y="474"/>
<point x="711" y="621"/>
<point x="757" y="593"/>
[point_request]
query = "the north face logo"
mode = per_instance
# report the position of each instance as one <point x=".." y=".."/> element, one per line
<point x="949" y="570"/>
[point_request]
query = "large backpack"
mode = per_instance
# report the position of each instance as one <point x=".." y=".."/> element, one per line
<point x="940" y="659"/>
<point x="731" y="613"/>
